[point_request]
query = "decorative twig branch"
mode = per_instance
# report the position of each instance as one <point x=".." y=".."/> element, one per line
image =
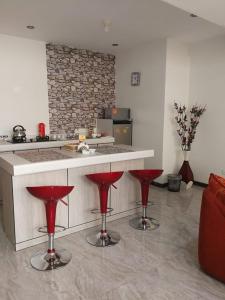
<point x="187" y="123"/>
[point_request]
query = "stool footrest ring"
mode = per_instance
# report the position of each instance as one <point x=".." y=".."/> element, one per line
<point x="58" y="228"/>
<point x="98" y="211"/>
<point x="150" y="203"/>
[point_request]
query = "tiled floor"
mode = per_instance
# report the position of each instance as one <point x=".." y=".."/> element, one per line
<point x="161" y="264"/>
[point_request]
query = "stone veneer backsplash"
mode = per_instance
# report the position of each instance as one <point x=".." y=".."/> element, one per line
<point x="81" y="83"/>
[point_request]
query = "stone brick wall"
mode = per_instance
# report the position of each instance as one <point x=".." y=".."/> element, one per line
<point x="81" y="83"/>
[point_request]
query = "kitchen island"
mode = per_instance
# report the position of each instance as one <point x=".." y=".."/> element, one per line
<point x="24" y="214"/>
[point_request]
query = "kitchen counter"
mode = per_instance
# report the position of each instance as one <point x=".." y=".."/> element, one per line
<point x="17" y="165"/>
<point x="7" y="146"/>
<point x="23" y="214"/>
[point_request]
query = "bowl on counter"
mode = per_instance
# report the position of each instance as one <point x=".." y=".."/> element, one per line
<point x="87" y="152"/>
<point x="92" y="151"/>
<point x="94" y="136"/>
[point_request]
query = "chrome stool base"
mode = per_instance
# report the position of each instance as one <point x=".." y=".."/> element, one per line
<point x="44" y="261"/>
<point x="99" y="239"/>
<point x="142" y="223"/>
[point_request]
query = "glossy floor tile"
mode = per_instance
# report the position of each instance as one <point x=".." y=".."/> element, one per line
<point x="161" y="264"/>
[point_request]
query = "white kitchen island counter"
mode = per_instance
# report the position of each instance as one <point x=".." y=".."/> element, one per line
<point x="6" y="146"/>
<point x="24" y="214"/>
<point x="15" y="165"/>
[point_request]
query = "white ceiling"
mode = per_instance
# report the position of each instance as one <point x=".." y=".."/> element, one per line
<point x="212" y="10"/>
<point x="78" y="23"/>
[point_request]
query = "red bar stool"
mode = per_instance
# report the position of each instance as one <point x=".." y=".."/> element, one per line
<point x="104" y="237"/>
<point x="51" y="259"/>
<point x="145" y="178"/>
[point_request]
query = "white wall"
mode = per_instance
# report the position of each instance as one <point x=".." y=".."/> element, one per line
<point x="23" y="84"/>
<point x="196" y="74"/>
<point x="165" y="71"/>
<point x="176" y="89"/>
<point x="207" y="86"/>
<point x="164" y="67"/>
<point x="212" y="11"/>
<point x="147" y="100"/>
<point x="173" y="71"/>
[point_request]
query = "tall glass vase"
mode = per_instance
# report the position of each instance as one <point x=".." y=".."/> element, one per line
<point x="185" y="170"/>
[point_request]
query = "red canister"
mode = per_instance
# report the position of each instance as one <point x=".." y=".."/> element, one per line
<point x="41" y="129"/>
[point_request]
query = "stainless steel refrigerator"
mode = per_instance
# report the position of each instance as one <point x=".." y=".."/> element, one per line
<point x="117" y="124"/>
<point x="122" y="133"/>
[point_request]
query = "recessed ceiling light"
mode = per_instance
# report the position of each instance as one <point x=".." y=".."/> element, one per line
<point x="115" y="45"/>
<point x="30" y="27"/>
<point x="193" y="16"/>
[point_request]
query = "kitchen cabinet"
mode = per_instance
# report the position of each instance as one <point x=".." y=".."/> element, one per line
<point x="26" y="213"/>
<point x="1" y="174"/>
<point x="23" y="214"/>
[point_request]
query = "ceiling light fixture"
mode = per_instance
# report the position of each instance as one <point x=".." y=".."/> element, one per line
<point x="107" y="24"/>
<point x="193" y="16"/>
<point x="30" y="27"/>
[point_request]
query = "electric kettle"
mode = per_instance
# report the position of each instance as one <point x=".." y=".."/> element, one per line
<point x="19" y="134"/>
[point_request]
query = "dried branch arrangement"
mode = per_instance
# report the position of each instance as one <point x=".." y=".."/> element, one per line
<point x="187" y="122"/>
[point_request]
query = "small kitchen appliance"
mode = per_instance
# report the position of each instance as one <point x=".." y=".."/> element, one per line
<point x="19" y="134"/>
<point x="117" y="114"/>
<point x="41" y="129"/>
<point x="41" y="133"/>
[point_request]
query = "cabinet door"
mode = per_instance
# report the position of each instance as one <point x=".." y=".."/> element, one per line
<point x="128" y="188"/>
<point x="85" y="196"/>
<point x="1" y="179"/>
<point x="29" y="212"/>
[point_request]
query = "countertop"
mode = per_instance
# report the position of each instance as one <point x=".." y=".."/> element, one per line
<point x="54" y="160"/>
<point x="7" y="146"/>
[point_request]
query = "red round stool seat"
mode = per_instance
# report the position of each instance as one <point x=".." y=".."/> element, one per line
<point x="145" y="178"/>
<point x="50" y="195"/>
<point x="104" y="237"/>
